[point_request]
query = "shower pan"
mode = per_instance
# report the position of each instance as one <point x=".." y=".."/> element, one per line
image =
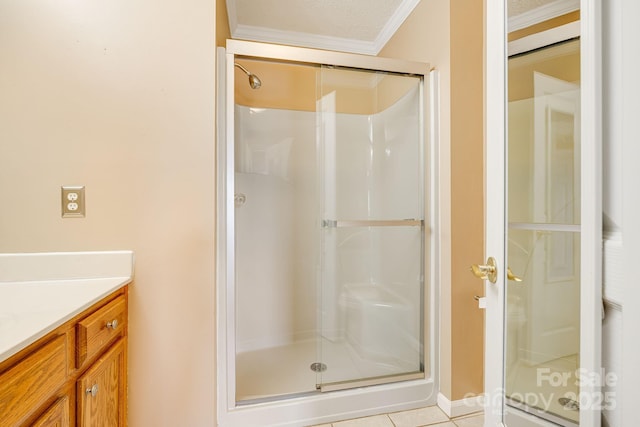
<point x="326" y="248"/>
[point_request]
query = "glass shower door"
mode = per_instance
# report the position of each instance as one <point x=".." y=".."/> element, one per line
<point x="372" y="216"/>
<point x="321" y="235"/>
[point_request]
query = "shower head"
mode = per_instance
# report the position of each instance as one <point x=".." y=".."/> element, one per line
<point x="254" y="81"/>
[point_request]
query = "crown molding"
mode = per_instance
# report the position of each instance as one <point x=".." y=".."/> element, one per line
<point x="395" y="21"/>
<point x="292" y="38"/>
<point x="232" y="15"/>
<point x="545" y="38"/>
<point x="542" y="13"/>
<point x="301" y="39"/>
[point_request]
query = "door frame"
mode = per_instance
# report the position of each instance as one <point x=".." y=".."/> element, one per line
<point x="496" y="54"/>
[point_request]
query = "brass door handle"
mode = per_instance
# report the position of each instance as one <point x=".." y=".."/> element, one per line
<point x="512" y="277"/>
<point x="490" y="271"/>
<point x="486" y="272"/>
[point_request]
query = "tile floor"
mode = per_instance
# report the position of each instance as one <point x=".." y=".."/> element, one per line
<point x="431" y="416"/>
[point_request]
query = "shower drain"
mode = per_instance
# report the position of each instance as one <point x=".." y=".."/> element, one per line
<point x="318" y="367"/>
<point x="570" y="404"/>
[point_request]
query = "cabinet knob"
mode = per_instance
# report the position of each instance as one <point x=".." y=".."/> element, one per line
<point x="92" y="391"/>
<point x="113" y="324"/>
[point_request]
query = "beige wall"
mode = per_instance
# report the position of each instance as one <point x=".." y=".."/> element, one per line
<point x="467" y="195"/>
<point x="295" y="86"/>
<point x="223" y="32"/>
<point x="561" y="61"/>
<point x="545" y="25"/>
<point x="119" y="97"/>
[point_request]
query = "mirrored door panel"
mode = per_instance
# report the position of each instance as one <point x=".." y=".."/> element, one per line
<point x="542" y="338"/>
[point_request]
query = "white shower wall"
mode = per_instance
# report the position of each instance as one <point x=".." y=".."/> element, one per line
<point x="283" y="170"/>
<point x="275" y="253"/>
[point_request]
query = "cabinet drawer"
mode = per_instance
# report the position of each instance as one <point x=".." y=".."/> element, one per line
<point x="56" y="416"/>
<point x="25" y="387"/>
<point x="96" y="331"/>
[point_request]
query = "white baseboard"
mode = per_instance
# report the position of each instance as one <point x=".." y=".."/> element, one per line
<point x="461" y="407"/>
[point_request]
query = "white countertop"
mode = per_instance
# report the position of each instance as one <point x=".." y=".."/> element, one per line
<point x="41" y="291"/>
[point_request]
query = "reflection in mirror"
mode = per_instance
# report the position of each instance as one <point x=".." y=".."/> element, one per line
<point x="543" y="248"/>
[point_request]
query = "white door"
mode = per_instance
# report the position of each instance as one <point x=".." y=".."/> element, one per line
<point x="539" y="370"/>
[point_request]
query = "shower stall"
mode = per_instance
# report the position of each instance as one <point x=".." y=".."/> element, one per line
<point x="325" y="236"/>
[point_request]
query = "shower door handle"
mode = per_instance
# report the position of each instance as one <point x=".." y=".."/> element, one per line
<point x="411" y="222"/>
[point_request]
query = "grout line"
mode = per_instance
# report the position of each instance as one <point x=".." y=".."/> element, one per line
<point x="451" y="420"/>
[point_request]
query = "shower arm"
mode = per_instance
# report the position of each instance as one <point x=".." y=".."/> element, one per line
<point x="242" y="68"/>
<point x="254" y="81"/>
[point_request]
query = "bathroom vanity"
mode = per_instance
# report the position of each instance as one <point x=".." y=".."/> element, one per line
<point x="63" y="341"/>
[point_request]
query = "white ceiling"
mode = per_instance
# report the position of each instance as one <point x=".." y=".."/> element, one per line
<point x="357" y="26"/>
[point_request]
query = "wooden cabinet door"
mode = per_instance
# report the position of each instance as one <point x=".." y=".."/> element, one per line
<point x="29" y="384"/>
<point x="56" y="416"/>
<point x="101" y="390"/>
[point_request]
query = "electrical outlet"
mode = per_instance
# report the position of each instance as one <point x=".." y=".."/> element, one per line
<point x="72" y="202"/>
